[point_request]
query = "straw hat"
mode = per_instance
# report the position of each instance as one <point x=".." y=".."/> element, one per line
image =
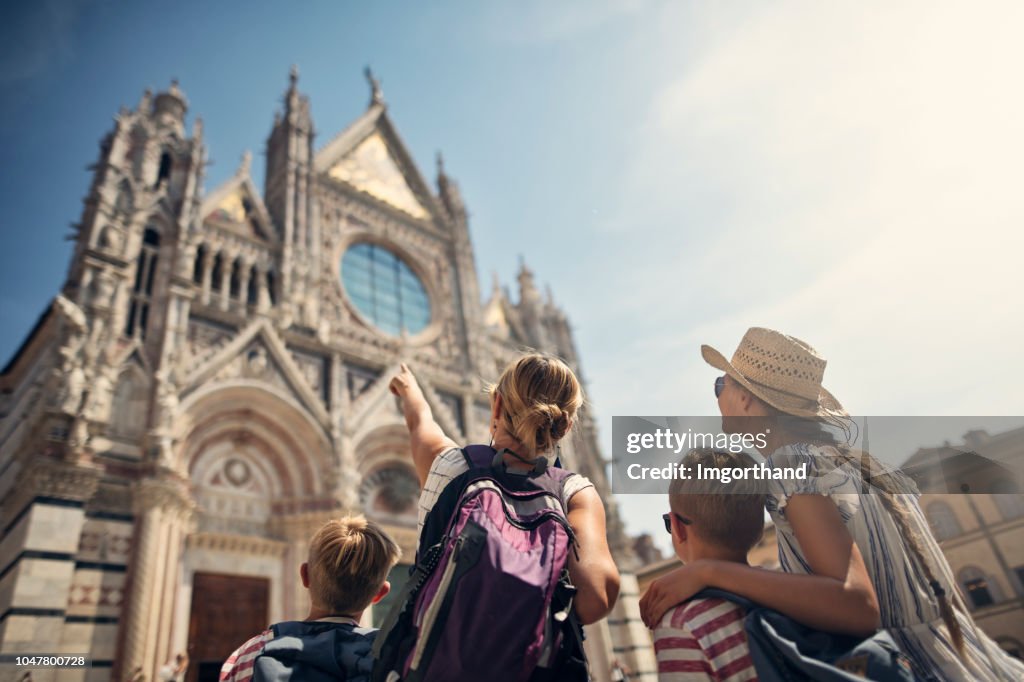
<point x="781" y="370"/>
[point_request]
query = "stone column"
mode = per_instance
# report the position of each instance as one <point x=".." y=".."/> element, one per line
<point x="243" y="286"/>
<point x="207" y="276"/>
<point x="227" y="263"/>
<point x="163" y="511"/>
<point x="631" y="639"/>
<point x="263" y="293"/>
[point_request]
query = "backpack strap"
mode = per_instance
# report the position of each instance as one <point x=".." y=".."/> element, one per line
<point x="550" y="478"/>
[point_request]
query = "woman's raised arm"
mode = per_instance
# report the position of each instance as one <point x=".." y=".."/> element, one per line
<point x="837" y="597"/>
<point x="426" y="437"/>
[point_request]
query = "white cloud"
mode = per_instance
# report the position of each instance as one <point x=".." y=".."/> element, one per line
<point x="848" y="174"/>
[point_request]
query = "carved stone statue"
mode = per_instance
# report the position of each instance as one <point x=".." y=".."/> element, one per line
<point x="98" y="405"/>
<point x="166" y="400"/>
<point x="74" y="386"/>
<point x="376" y="95"/>
<point x="73" y="327"/>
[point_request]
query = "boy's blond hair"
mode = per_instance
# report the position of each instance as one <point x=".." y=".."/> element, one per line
<point x="349" y="560"/>
<point x="729" y="515"/>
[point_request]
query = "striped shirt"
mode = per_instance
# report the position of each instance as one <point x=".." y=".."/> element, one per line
<point x="703" y="639"/>
<point x="239" y="666"/>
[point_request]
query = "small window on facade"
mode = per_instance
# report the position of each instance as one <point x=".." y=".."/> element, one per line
<point x="142" y="289"/>
<point x="235" y="289"/>
<point x="271" y="287"/>
<point x="253" y="295"/>
<point x="942" y="520"/>
<point x="977" y="588"/>
<point x="197" y="271"/>
<point x="217" y="272"/>
<point x="165" y="169"/>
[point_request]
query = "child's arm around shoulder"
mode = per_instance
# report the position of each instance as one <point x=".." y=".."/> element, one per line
<point x="836" y="597"/>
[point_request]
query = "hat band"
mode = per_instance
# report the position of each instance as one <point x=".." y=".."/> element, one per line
<point x="809" y="401"/>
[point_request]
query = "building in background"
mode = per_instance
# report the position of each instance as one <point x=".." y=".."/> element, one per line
<point x="981" y="533"/>
<point x="211" y="385"/>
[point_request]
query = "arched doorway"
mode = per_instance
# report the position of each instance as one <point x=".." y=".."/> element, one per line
<point x="263" y="473"/>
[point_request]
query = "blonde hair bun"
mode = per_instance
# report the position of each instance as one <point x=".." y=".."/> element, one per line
<point x="540" y="398"/>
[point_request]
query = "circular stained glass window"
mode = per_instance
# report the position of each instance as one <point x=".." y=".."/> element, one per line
<point x="384" y="289"/>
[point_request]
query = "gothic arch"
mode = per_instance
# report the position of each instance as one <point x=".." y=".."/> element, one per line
<point x="277" y="436"/>
<point x="130" y="403"/>
<point x="380" y="445"/>
<point x="389" y="488"/>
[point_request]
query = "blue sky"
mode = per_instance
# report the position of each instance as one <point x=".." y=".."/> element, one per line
<point x="677" y="171"/>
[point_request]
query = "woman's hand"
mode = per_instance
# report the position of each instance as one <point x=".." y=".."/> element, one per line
<point x="670" y="589"/>
<point x="404" y="382"/>
<point x="426" y="439"/>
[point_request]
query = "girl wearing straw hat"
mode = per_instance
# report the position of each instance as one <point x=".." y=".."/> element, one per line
<point x="855" y="550"/>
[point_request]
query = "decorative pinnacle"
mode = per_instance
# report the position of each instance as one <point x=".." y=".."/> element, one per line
<point x="246" y="164"/>
<point x="440" y="164"/>
<point x="376" y="95"/>
<point x="293" y="75"/>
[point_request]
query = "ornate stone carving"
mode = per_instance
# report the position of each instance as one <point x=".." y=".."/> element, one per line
<point x="98" y="405"/>
<point x="50" y="477"/>
<point x="165" y="492"/>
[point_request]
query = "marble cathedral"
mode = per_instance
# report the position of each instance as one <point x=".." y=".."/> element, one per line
<point x="210" y="385"/>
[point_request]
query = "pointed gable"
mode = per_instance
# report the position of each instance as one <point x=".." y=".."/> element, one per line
<point x="370" y="157"/>
<point x="371" y="168"/>
<point x="237" y="205"/>
<point x="258" y="354"/>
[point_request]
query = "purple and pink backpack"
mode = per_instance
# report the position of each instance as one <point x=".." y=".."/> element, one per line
<point x="490" y="596"/>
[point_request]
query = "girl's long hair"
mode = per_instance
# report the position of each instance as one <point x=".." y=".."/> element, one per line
<point x="890" y="485"/>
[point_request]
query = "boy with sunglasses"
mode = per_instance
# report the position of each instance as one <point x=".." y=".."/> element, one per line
<point x="704" y="638"/>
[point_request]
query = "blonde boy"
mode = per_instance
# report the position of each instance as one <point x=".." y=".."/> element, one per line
<point x="704" y="638"/>
<point x="349" y="561"/>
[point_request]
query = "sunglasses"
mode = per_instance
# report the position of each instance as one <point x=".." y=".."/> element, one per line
<point x="667" y="518"/>
<point x="719" y="386"/>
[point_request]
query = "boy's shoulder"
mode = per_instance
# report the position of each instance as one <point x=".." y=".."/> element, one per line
<point x="702" y="615"/>
<point x="303" y="650"/>
<point x="703" y="638"/>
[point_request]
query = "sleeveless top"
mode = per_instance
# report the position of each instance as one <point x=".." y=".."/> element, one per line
<point x="909" y="611"/>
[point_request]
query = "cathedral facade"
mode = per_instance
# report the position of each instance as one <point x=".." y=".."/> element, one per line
<point x="210" y="386"/>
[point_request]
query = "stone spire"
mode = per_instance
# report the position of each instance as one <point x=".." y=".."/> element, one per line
<point x="169" y="108"/>
<point x="448" y="191"/>
<point x="528" y="293"/>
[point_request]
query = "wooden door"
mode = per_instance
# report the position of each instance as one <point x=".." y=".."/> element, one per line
<point x="226" y="611"/>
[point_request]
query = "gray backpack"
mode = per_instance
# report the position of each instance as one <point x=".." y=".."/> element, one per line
<point x="316" y="652"/>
